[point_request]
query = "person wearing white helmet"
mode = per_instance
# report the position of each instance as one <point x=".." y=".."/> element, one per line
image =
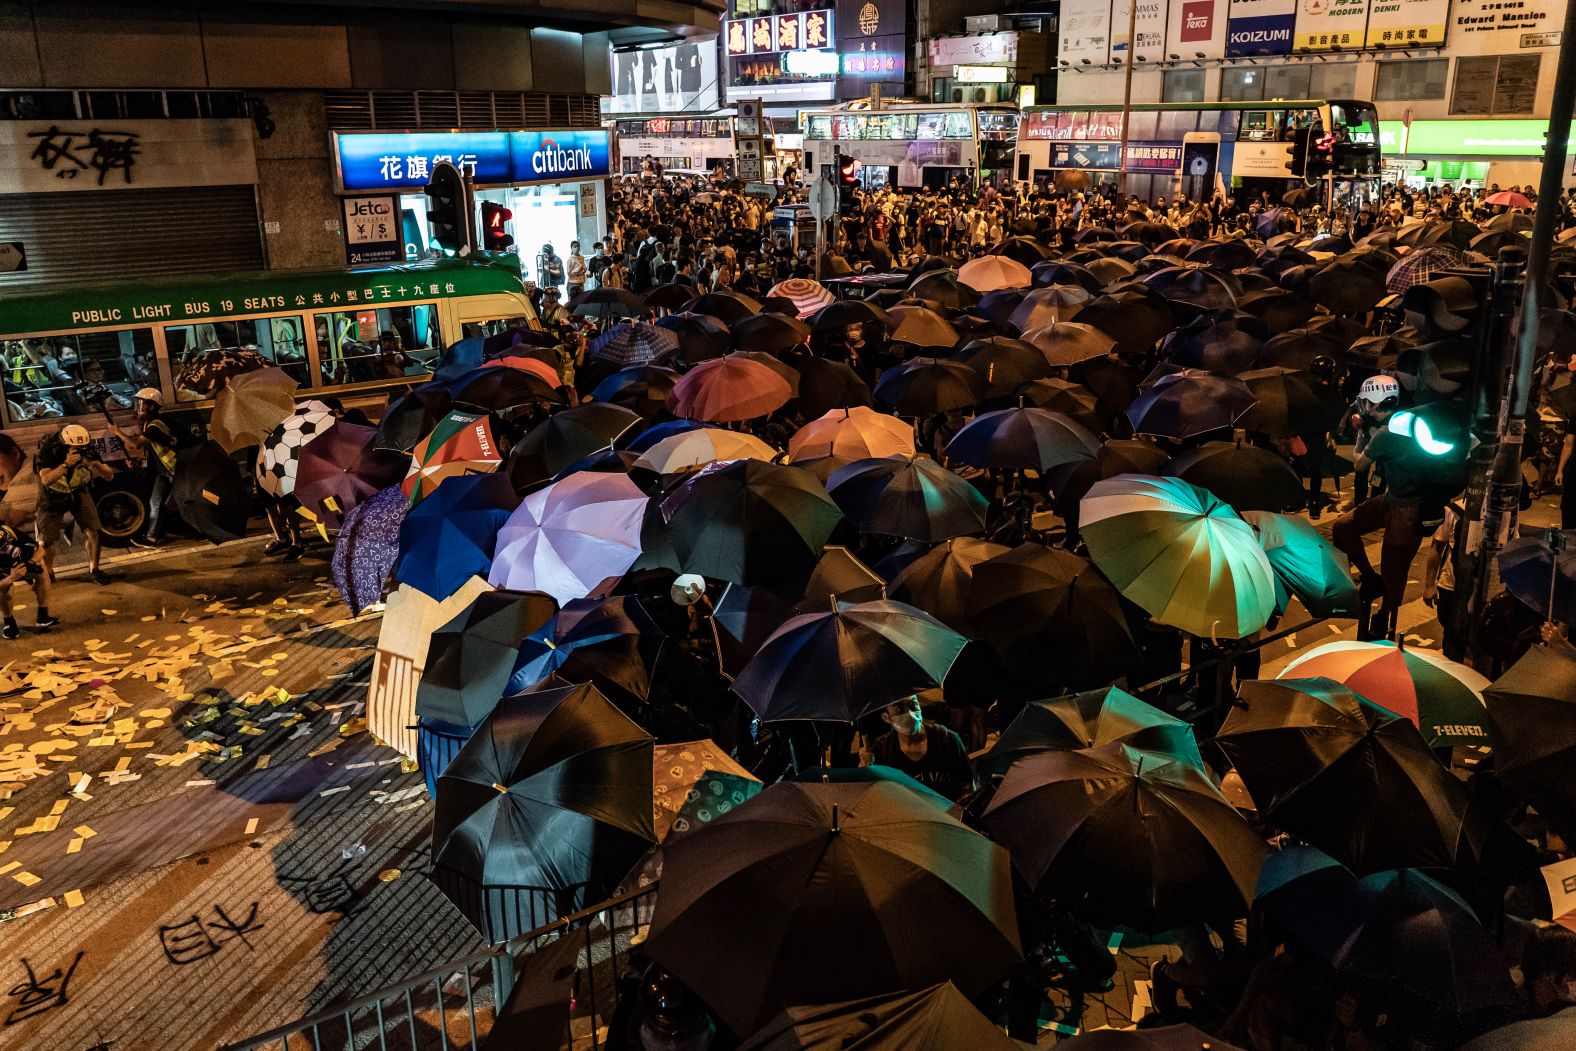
<point x="66" y="466"/>
<point x="1377" y="400"/>
<point x="154" y="446"/>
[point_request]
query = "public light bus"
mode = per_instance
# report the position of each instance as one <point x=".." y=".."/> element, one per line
<point x="1188" y="146"/>
<point x="914" y="145"/>
<point x="71" y="353"/>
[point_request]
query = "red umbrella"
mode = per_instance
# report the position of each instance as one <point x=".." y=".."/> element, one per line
<point x="727" y="389"/>
<point x="1508" y="199"/>
<point x="534" y="366"/>
<point x="341" y="468"/>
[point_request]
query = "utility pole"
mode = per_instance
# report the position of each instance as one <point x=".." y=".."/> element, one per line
<point x="1127" y="97"/>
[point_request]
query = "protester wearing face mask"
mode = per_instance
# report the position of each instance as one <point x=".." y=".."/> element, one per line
<point x="928" y="752"/>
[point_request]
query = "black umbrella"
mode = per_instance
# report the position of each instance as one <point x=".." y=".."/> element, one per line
<point x="1148" y="232"/>
<point x="210" y="492"/>
<point x="935" y="1019"/>
<point x="206" y="373"/>
<point x="772" y="333"/>
<point x="1021" y="439"/>
<point x="750" y="522"/>
<point x="1245" y="476"/>
<point x="1347" y="287"/>
<point x="1034" y="601"/>
<point x="1087" y="720"/>
<point x="564" y="438"/>
<point x="940" y="581"/>
<point x="412" y="416"/>
<point x="839" y="575"/>
<point x="1532" y="728"/>
<point x="642" y="389"/>
<point x="498" y="389"/>
<point x="834" y="317"/>
<point x="1025" y="250"/>
<point x="1223" y="255"/>
<point x="471" y="657"/>
<point x="825" y="385"/>
<point x="608" y="302"/>
<point x="1073" y="400"/>
<point x="911" y="496"/>
<point x="1005" y="363"/>
<point x="1315" y="756"/>
<point x="610" y="642"/>
<point x="928" y="386"/>
<point x="1056" y="272"/>
<point x="818" y="888"/>
<point x="1135" y="320"/>
<point x="1218" y="344"/>
<point x="1195" y="286"/>
<point x="671" y="296"/>
<point x="1188" y="403"/>
<point x="942" y="288"/>
<point x="542" y="811"/>
<point x="1381" y="351"/>
<point x="701" y="337"/>
<point x="1121" y="456"/>
<point x="1279" y="309"/>
<point x="728" y="307"/>
<point x="847" y="661"/>
<point x="1289" y="403"/>
<point x="1296" y="348"/>
<point x="1069" y="342"/>
<point x="1145" y="839"/>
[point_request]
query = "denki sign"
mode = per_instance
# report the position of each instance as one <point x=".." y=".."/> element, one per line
<point x="390" y="161"/>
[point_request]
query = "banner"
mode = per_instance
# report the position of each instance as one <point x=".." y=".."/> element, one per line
<point x="1085" y="35"/>
<point x="1196" y="29"/>
<point x="1494" y="27"/>
<point x="1324" y="25"/>
<point x="1149" y="27"/>
<point x="1260" y="27"/>
<point x="992" y="49"/>
<point x="1087" y="155"/>
<point x="676" y="79"/>
<point x="1407" y="23"/>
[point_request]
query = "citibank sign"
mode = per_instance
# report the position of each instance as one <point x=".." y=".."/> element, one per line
<point x="404" y="161"/>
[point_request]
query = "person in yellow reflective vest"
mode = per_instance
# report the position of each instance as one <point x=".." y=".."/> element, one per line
<point x="66" y="466"/>
<point x="154" y="444"/>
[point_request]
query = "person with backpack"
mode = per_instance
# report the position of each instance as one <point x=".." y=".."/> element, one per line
<point x="19" y="563"/>
<point x="154" y="444"/>
<point x="66" y="466"/>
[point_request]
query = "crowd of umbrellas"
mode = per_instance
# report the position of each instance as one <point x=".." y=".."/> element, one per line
<point x="737" y="535"/>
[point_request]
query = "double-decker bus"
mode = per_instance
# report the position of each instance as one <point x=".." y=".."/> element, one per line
<point x="684" y="142"/>
<point x="914" y="145"/>
<point x="72" y="354"/>
<point x="1193" y="147"/>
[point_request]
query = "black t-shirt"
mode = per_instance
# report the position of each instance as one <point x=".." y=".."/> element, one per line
<point x="1403" y="464"/>
<point x="945" y="767"/>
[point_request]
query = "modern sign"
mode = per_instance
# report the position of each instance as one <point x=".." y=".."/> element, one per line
<point x="1260" y="27"/>
<point x="1196" y="29"/>
<point x="980" y="74"/>
<point x="989" y="49"/>
<point x="65" y="155"/>
<point x="396" y="161"/>
<point x="773" y="34"/>
<point x="13" y="257"/>
<point x="1331" y="25"/>
<point x="372" y="230"/>
<point x="1477" y="138"/>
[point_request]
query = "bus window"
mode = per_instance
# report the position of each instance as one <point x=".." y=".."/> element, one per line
<point x="352" y="347"/>
<point x="279" y="339"/>
<point x="78" y="374"/>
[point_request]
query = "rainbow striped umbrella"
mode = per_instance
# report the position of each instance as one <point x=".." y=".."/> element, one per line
<point x="1443" y="698"/>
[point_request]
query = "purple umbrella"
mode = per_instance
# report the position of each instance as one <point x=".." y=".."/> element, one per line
<point x="367" y="547"/>
<point x="569" y="537"/>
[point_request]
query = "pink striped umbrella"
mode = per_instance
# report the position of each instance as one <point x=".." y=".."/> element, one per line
<point x="807" y="294"/>
<point x="724" y="390"/>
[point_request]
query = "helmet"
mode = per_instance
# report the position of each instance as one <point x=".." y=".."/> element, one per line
<point x="1380" y="390"/>
<point x="151" y="394"/>
<point x="74" y="434"/>
<point x="1323" y="368"/>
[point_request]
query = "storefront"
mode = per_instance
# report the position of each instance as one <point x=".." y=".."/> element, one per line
<point x="554" y="183"/>
<point x="84" y="200"/>
<point x="1467" y="152"/>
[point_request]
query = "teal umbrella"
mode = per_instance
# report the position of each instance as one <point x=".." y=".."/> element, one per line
<point x="1181" y="554"/>
<point x="1305" y="564"/>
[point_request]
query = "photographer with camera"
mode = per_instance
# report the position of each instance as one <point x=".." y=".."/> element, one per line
<point x="19" y="563"/>
<point x="66" y="466"/>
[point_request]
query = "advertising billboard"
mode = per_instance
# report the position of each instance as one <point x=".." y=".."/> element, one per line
<point x="1407" y="23"/>
<point x="1085" y="34"/>
<point x="672" y="79"/>
<point x="397" y="161"/>
<point x="1149" y="26"/>
<point x="1260" y="27"/>
<point x="1196" y="29"/>
<point x="1331" y="25"/>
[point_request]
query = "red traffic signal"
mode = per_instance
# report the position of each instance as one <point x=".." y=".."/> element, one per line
<point x="495" y="227"/>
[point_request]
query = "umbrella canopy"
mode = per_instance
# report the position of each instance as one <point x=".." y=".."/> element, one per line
<point x="1533" y="728"/>
<point x="210" y="492"/>
<point x="569" y="537"/>
<point x="642" y="389"/>
<point x="922" y="327"/>
<point x="1073" y="400"/>
<point x="1226" y="345"/>
<point x="461" y="444"/>
<point x="1534" y="573"/>
<point x="846" y="662"/>
<point x="565" y="438"/>
<point x="1088" y="720"/>
<point x="1180" y="554"/>
<point x="729" y="389"/>
<point x="1305" y="564"/>
<point x="750" y="522"/>
<point x="1160" y="1038"/>
<point x="471" y="657"/>
<point x="367" y="547"/>
<point x="1146" y="839"/>
<point x="693" y="783"/>
<point x="771" y="333"/>
<point x="1035" y="600"/>
<point x="942" y="288"/>
<point x="670" y="296"/>
<point x="935" y="1019"/>
<point x="911" y="496"/>
<point x="279" y="455"/>
<point x="1288" y="402"/>
<point x="825" y="385"/>
<point x="342" y="467"/>
<point x="1347" y="286"/>
<point x="1245" y="476"/>
<point x="701" y="337"/>
<point x="552" y="793"/>
<point x="690" y="449"/>
<point x="607" y="302"/>
<point x="1315" y="756"/>
<point x="990" y="272"/>
<point x="611" y="642"/>
<point x="805" y="866"/>
<point x="929" y="386"/>
<point x="535" y="366"/>
<point x="1443" y="698"/>
<point x="1296" y="348"/>
<point x="854" y="434"/>
<point x="1061" y="272"/>
<point x="806" y="294"/>
<point x="728" y="307"/>
<point x="1421" y="265"/>
<point x="1187" y="403"/>
<point x="941" y="580"/>
<point x="249" y="405"/>
<point x="497" y="390"/>
<point x="1069" y="342"/>
<point x="412" y="417"/>
<point x="1194" y="286"/>
<point x="633" y="343"/>
<point x="1022" y="439"/>
<point x="1006" y="364"/>
<point x="838" y="316"/>
<point x="206" y="373"/>
<point x="449" y="537"/>
<point x="1508" y="199"/>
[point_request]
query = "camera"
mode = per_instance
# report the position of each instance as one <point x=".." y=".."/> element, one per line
<point x="94" y="395"/>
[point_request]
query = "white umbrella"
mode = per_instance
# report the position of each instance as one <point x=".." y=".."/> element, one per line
<point x="569" y="537"/>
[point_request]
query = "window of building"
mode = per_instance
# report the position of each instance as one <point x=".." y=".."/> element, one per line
<point x="1418" y="78"/>
<point x="1495" y="84"/>
<point x="1289" y="81"/>
<point x="1182" y="85"/>
<point x="1332" y="80"/>
<point x="1241" y="85"/>
<point x="76" y="375"/>
<point x="351" y="349"/>
<point x="280" y="340"/>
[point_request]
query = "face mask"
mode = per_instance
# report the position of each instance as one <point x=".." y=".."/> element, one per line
<point x="908" y="724"/>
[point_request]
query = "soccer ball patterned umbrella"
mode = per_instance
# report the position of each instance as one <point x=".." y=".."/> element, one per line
<point x="280" y="452"/>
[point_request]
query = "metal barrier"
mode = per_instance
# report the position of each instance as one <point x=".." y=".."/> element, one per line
<point x="455" y="1006"/>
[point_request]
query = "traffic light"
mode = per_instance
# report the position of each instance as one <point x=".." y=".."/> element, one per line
<point x="495" y="227"/>
<point x="1300" y="140"/>
<point x="448" y="217"/>
<point x="1321" y="153"/>
<point x="847" y="169"/>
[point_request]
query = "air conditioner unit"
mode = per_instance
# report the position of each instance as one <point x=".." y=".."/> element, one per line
<point x="981" y="23"/>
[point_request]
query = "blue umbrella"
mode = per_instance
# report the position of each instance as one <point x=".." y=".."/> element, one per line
<point x="610" y="642"/>
<point x="368" y="546"/>
<point x="652" y="435"/>
<point x="459" y="358"/>
<point x="633" y="343"/>
<point x="1533" y="572"/>
<point x="449" y="537"/>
